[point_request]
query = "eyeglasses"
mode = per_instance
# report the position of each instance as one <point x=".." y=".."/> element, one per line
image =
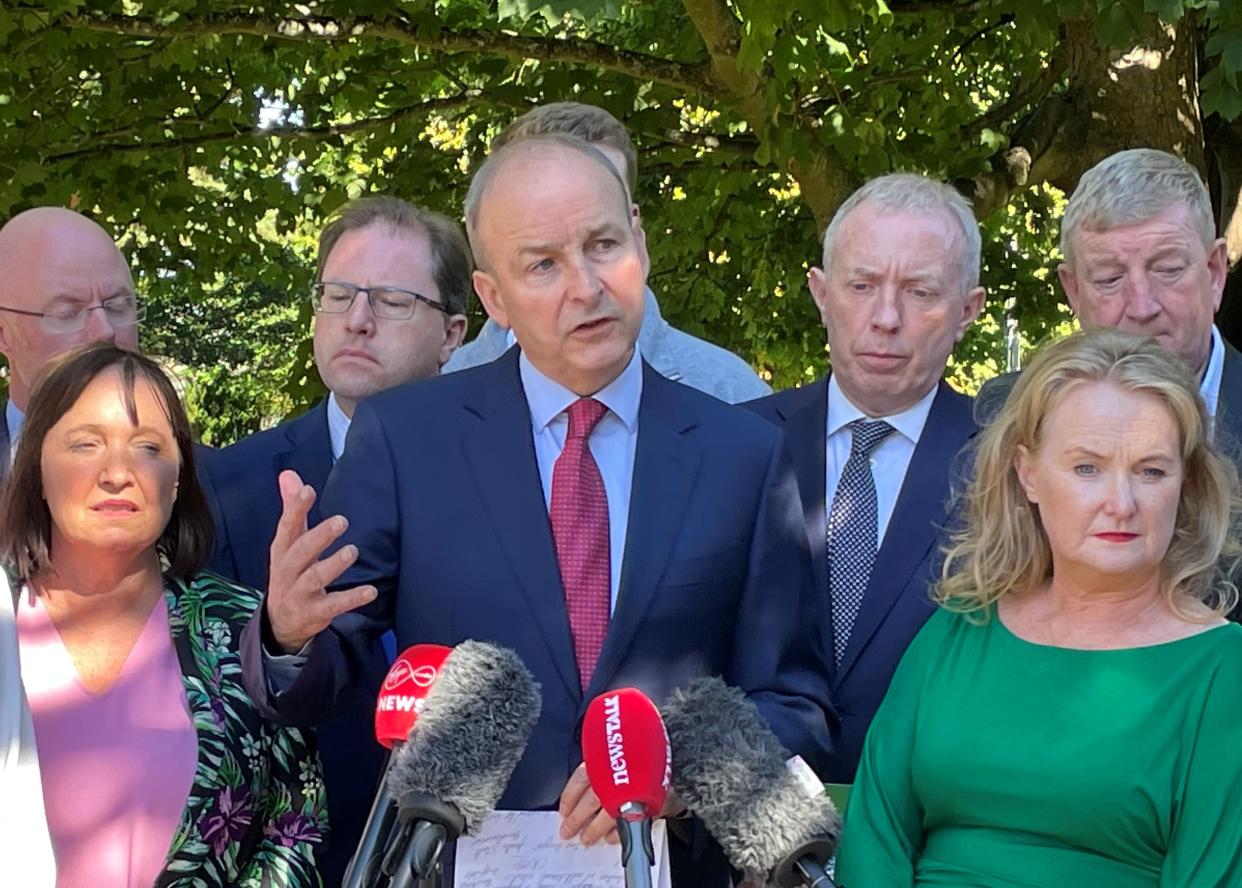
<point x="389" y="303"/>
<point x="121" y="311"/>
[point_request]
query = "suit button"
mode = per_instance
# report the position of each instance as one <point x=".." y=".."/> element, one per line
<point x="578" y="733"/>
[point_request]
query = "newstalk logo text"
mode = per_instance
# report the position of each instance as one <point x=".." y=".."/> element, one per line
<point x="612" y="730"/>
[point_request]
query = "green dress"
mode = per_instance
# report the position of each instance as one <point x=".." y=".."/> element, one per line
<point x="997" y="763"/>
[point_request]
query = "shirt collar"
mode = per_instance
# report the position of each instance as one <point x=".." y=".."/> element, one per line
<point x="13" y="419"/>
<point x="1209" y="386"/>
<point x="909" y="422"/>
<point x="548" y="399"/>
<point x="338" y="427"/>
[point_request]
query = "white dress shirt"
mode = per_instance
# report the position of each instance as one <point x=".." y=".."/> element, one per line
<point x="1209" y="386"/>
<point x="612" y="443"/>
<point x="13" y="419"/>
<point x="338" y="427"/>
<point x="889" y="460"/>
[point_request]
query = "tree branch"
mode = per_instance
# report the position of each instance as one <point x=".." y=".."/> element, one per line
<point x="1038" y="86"/>
<point x="103" y="145"/>
<point x="692" y="77"/>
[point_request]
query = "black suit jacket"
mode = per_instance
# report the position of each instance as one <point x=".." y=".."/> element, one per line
<point x="897" y="600"/>
<point x="240" y="483"/>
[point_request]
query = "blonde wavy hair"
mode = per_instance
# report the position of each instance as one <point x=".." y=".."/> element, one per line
<point x="1003" y="549"/>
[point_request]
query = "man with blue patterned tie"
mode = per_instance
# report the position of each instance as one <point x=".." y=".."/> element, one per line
<point x="874" y="443"/>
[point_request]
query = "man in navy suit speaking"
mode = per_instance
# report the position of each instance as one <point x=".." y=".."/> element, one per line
<point x="623" y="529"/>
<point x="874" y="443"/>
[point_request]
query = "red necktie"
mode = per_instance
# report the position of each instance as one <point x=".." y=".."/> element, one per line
<point x="580" y="528"/>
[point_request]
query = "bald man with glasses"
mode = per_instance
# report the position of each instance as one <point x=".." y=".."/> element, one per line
<point x="63" y="283"/>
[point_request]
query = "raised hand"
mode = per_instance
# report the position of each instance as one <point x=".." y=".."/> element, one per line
<point x="298" y="605"/>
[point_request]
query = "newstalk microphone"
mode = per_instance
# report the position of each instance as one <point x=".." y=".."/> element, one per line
<point x="626" y="751"/>
<point x="451" y="772"/>
<point x="774" y="823"/>
<point x="401" y="698"/>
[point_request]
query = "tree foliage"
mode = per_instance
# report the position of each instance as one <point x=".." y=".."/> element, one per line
<point x="217" y="135"/>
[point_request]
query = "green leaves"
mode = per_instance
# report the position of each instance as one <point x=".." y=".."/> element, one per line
<point x="216" y="152"/>
<point x="556" y="10"/>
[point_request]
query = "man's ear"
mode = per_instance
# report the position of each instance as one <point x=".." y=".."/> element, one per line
<point x="6" y="338"/>
<point x="1069" y="283"/>
<point x="974" y="303"/>
<point x="1218" y="271"/>
<point x="454" y="334"/>
<point x="817" y="283"/>
<point x="486" y="288"/>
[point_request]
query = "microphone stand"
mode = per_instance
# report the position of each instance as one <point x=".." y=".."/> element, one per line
<point x="804" y="868"/>
<point x="427" y="825"/>
<point x="637" y="852"/>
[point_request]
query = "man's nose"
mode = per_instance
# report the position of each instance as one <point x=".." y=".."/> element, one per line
<point x="1141" y="298"/>
<point x="98" y="327"/>
<point x="583" y="280"/>
<point x="360" y="318"/>
<point x="886" y="311"/>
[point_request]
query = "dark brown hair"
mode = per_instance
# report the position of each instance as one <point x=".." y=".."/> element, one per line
<point x="26" y="523"/>
<point x="449" y="251"/>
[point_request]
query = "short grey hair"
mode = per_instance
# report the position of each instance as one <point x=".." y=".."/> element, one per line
<point x="486" y="174"/>
<point x="1130" y="187"/>
<point x="918" y="193"/>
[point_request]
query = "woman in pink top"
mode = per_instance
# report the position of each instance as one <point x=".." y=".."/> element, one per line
<point x="155" y="767"/>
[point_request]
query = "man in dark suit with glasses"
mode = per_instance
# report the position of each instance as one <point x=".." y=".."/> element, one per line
<point x="389" y="299"/>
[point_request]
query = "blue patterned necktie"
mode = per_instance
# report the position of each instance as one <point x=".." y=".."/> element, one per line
<point x="852" y="531"/>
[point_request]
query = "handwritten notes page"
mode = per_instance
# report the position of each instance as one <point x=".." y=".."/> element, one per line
<point x="522" y="849"/>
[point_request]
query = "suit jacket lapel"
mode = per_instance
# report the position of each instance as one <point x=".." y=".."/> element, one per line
<point x="501" y="454"/>
<point x="806" y="425"/>
<point x="1229" y="405"/>
<point x="309" y="452"/>
<point x="665" y="466"/>
<point x="917" y="516"/>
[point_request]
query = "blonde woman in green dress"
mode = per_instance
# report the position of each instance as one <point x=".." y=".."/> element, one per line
<point x="1072" y="716"/>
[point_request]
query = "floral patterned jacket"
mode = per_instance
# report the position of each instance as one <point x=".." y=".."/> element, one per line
<point x="257" y="806"/>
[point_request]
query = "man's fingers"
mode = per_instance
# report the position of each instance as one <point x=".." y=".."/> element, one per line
<point x="333" y="604"/>
<point x="578" y="804"/>
<point x="303" y="554"/>
<point x="321" y="574"/>
<point x="574" y="788"/>
<point x="296" y="500"/>
<point x="599" y="827"/>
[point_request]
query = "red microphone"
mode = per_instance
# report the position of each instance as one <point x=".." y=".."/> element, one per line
<point x="401" y="699"/>
<point x="405" y="688"/>
<point x="629" y="763"/>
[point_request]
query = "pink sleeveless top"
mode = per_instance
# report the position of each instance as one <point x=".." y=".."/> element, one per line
<point x="116" y="767"/>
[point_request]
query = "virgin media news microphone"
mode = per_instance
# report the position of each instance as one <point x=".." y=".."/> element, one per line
<point x="771" y="817"/>
<point x="626" y="751"/>
<point x="450" y="774"/>
<point x="401" y="698"/>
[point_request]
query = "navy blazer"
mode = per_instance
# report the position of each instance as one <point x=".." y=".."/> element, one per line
<point x="442" y="490"/>
<point x="897" y="600"/>
<point x="241" y="487"/>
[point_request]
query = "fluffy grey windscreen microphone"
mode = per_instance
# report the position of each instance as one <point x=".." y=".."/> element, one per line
<point x="471" y="733"/>
<point x="729" y="769"/>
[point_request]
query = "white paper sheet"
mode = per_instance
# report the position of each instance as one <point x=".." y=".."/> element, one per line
<point x="522" y="849"/>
